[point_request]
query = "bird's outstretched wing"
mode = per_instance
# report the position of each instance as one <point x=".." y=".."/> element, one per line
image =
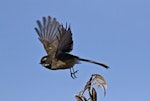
<point x="65" y="42"/>
<point x="48" y="33"/>
<point x="54" y="36"/>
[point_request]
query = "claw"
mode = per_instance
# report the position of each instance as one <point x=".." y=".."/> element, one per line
<point x="72" y="73"/>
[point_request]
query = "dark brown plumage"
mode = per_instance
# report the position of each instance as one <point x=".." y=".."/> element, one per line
<point x="58" y="42"/>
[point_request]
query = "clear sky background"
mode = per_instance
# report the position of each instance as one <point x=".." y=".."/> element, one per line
<point x="116" y="32"/>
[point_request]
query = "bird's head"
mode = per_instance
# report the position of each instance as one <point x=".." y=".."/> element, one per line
<point x="44" y="62"/>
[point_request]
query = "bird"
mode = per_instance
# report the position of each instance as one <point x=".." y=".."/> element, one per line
<point x="57" y="41"/>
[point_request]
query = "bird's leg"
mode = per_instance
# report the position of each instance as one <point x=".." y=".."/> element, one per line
<point x="72" y="73"/>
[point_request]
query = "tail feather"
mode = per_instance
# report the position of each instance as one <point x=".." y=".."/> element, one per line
<point x="94" y="62"/>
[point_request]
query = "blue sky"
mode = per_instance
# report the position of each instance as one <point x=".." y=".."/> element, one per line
<point x="116" y="32"/>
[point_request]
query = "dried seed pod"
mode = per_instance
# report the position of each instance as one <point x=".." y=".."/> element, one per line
<point x="78" y="98"/>
<point x="94" y="95"/>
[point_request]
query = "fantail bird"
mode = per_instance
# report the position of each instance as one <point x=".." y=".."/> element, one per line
<point x="58" y="42"/>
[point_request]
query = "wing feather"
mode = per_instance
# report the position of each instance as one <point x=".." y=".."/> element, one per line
<point x="47" y="32"/>
<point x="65" y="40"/>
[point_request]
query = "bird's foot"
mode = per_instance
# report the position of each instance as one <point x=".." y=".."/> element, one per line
<point x="73" y="73"/>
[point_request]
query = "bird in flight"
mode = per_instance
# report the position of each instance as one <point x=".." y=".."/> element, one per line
<point x="57" y="41"/>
